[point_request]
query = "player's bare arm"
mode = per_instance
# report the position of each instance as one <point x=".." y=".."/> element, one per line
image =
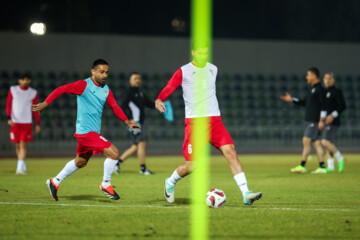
<point x="37" y="129"/>
<point x="159" y="105"/>
<point x="287" y="97"/>
<point x="39" y="107"/>
<point x="329" y="119"/>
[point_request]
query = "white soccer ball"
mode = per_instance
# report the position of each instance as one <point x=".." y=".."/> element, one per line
<point x="215" y="198"/>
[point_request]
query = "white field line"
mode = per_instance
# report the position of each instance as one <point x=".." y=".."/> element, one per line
<point x="172" y="207"/>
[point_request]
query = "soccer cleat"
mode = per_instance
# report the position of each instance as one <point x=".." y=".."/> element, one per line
<point x="21" y="172"/>
<point x="298" y="169"/>
<point x="169" y="191"/>
<point x="146" y="172"/>
<point x="109" y="191"/>
<point x="341" y="165"/>
<point x="117" y="169"/>
<point x="52" y="188"/>
<point x="251" y="197"/>
<point x="319" y="170"/>
<point x="329" y="170"/>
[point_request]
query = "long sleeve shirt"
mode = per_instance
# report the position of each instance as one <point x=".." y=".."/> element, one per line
<point x="314" y="103"/>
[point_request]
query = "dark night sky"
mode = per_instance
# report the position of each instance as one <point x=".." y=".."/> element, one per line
<point x="309" y="20"/>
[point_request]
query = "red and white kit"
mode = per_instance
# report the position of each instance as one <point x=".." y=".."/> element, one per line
<point x="18" y="108"/>
<point x="186" y="77"/>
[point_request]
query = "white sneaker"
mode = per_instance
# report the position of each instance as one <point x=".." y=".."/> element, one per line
<point x="169" y="192"/>
<point x="251" y="197"/>
<point x="319" y="170"/>
<point x="21" y="172"/>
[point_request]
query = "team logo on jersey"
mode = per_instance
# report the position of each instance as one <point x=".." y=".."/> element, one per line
<point x="313" y="90"/>
<point x="211" y="71"/>
<point x="106" y="93"/>
<point x="328" y="94"/>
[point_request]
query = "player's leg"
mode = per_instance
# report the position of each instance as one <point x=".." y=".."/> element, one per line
<point x="320" y="155"/>
<point x="180" y="172"/>
<point x="330" y="160"/>
<point x="335" y="152"/>
<point x="20" y="162"/>
<point x="72" y="166"/>
<point x="127" y="153"/>
<point x="112" y="156"/>
<point x="184" y="169"/>
<point x="221" y="139"/>
<point x="141" y="154"/>
<point x="306" y="141"/>
<point x="237" y="171"/>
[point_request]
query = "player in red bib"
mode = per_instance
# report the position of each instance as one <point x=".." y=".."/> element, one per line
<point x="200" y="69"/>
<point x="18" y="110"/>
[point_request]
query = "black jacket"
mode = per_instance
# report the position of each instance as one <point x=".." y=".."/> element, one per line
<point x="134" y="103"/>
<point x="313" y="102"/>
<point x="334" y="103"/>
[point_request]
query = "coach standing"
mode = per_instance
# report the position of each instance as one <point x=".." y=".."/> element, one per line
<point x="314" y="104"/>
<point x="334" y="106"/>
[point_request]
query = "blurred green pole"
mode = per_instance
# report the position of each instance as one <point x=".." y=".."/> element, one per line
<point x="201" y="24"/>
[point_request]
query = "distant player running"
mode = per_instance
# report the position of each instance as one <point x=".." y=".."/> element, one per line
<point x="334" y="105"/>
<point x="219" y="136"/>
<point x="92" y="93"/>
<point x="18" y="110"/>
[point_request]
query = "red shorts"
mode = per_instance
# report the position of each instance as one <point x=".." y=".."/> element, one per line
<point x="21" y="132"/>
<point x="218" y="135"/>
<point x="91" y="143"/>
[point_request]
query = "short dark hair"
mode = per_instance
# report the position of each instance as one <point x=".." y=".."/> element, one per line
<point x="25" y="75"/>
<point x="133" y="74"/>
<point x="315" y="71"/>
<point x="99" y="62"/>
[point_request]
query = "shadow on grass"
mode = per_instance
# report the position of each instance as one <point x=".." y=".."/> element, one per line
<point x="95" y="198"/>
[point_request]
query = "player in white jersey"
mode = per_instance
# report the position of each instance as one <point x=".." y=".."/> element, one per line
<point x="18" y="110"/>
<point x="219" y="137"/>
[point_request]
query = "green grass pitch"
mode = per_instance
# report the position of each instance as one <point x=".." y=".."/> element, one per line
<point x="294" y="206"/>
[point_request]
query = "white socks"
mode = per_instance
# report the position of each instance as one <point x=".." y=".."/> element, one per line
<point x="174" y="178"/>
<point x="109" y="165"/>
<point x="69" y="168"/>
<point x="21" y="165"/>
<point x="338" y="156"/>
<point x="240" y="180"/>
<point x="330" y="164"/>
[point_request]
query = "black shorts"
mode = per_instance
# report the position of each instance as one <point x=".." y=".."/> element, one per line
<point x="312" y="131"/>
<point x="329" y="133"/>
<point x="141" y="137"/>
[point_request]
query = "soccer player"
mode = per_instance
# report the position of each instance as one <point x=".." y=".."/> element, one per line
<point x="133" y="104"/>
<point x="219" y="136"/>
<point x="18" y="110"/>
<point x="314" y="104"/>
<point x="92" y="93"/>
<point x="334" y="106"/>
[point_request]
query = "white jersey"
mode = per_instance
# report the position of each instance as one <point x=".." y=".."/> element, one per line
<point x="202" y="93"/>
<point x="22" y="99"/>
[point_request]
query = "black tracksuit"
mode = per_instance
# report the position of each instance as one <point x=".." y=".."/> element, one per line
<point x="134" y="103"/>
<point x="314" y="103"/>
<point x="334" y="101"/>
